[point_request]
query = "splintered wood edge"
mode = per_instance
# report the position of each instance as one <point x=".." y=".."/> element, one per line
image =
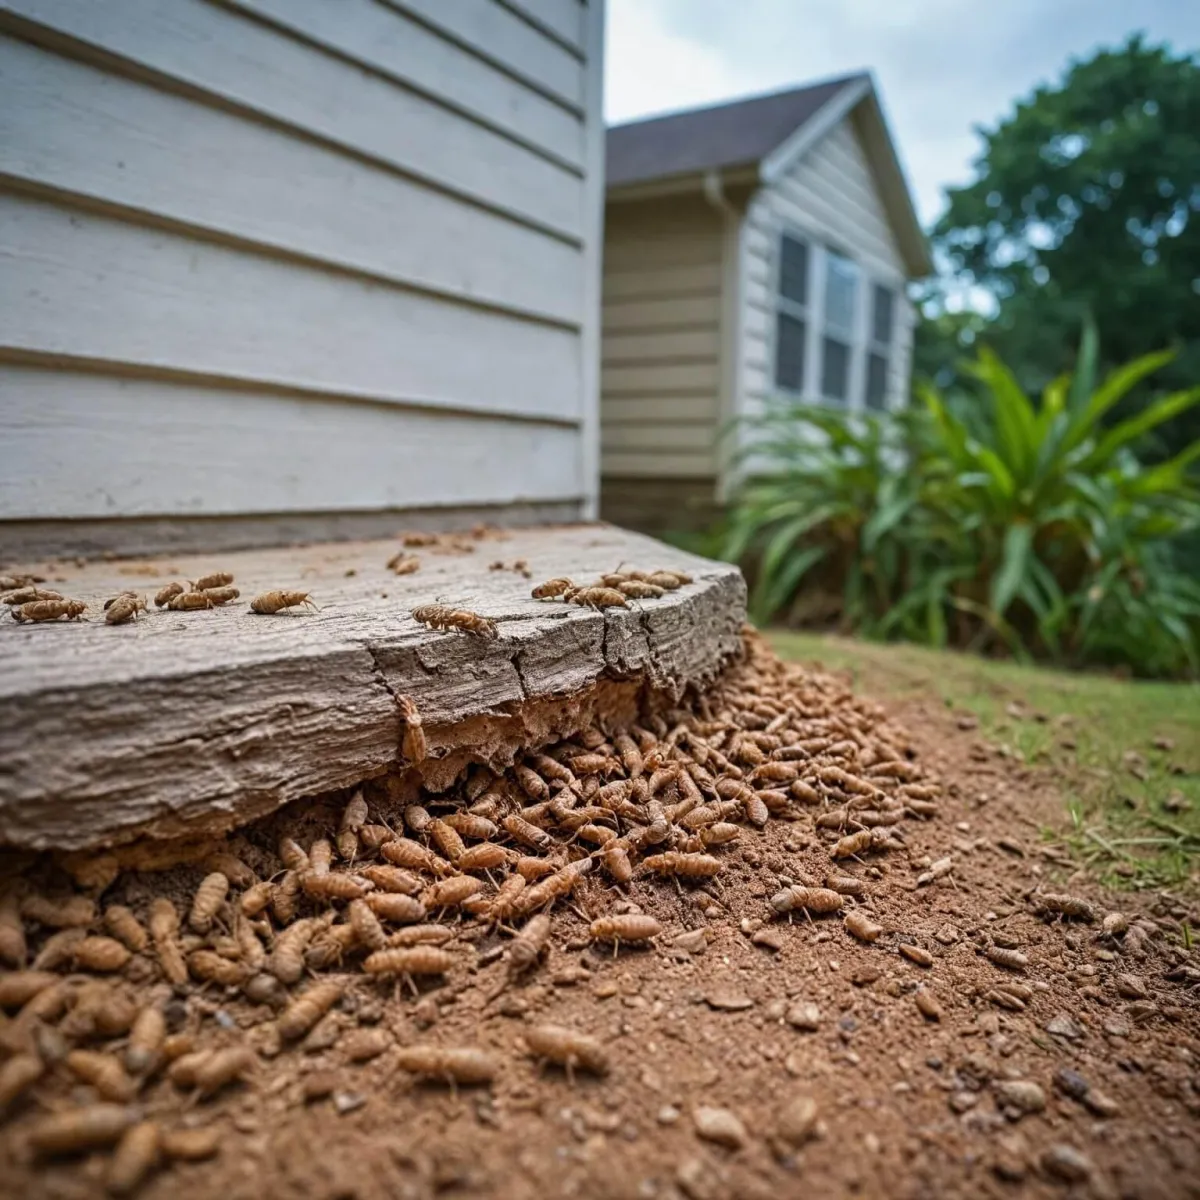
<point x="202" y="751"/>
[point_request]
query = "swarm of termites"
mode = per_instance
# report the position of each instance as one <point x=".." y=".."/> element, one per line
<point x="386" y="895"/>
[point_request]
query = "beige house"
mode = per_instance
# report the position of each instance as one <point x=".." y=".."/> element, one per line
<point x="291" y="268"/>
<point x="753" y="250"/>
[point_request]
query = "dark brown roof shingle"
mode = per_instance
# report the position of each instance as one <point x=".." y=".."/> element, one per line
<point x="704" y="139"/>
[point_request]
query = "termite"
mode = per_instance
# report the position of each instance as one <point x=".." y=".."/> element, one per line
<point x="532" y="869"/>
<point x="146" y="1040"/>
<point x="403" y="852"/>
<point x="442" y="617"/>
<point x="165" y="595"/>
<point x="1014" y="960"/>
<point x="404" y="564"/>
<point x="392" y="879"/>
<point x="861" y="926"/>
<point x="367" y="930"/>
<point x="309" y="1007"/>
<point x="189" y="602"/>
<point x="531" y="783"/>
<point x="80" y="1129"/>
<point x="409" y="961"/>
<point x="210" y="967"/>
<point x="58" y="950"/>
<point x="138" y="1153"/>
<point x="286" y="961"/>
<point x="456" y="1064"/>
<point x="49" y="610"/>
<point x="628" y="927"/>
<point x="223" y="1067"/>
<point x="615" y="857"/>
<point x="817" y="900"/>
<point x="61" y="913"/>
<point x="270" y="603"/>
<point x="1065" y="906"/>
<point x="164" y="932"/>
<point x="17" y="1075"/>
<point x="417" y="818"/>
<point x="292" y="855"/>
<point x="285" y="897"/>
<point x="398" y="908"/>
<point x="555" y="887"/>
<point x="124" y="607"/>
<point x="413" y="744"/>
<point x="597" y="597"/>
<point x="191" y="1145"/>
<point x="420" y="935"/>
<point x="449" y="893"/>
<point x="354" y="817"/>
<point x="484" y="856"/>
<point x="256" y="899"/>
<point x="636" y="589"/>
<point x="472" y="826"/>
<point x="333" y="887"/>
<point x="526" y="833"/>
<point x="447" y="839"/>
<point x="552" y="589"/>
<point x="104" y="1072"/>
<point x="567" y="1049"/>
<point x="221" y="595"/>
<point x="504" y="903"/>
<point x="101" y="954"/>
<point x="13" y="947"/>
<point x="209" y="897"/>
<point x="851" y="844"/>
<point x="371" y="837"/>
<point x="687" y="866"/>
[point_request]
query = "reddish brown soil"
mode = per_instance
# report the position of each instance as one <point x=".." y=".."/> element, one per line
<point x="907" y="1106"/>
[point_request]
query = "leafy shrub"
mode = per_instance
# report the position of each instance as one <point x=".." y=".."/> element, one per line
<point x="1003" y="526"/>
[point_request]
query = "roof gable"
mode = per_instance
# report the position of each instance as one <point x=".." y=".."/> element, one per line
<point x="713" y="138"/>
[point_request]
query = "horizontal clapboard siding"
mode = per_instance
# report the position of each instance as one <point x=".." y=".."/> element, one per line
<point x="830" y="197"/>
<point x="660" y="368"/>
<point x="258" y="453"/>
<point x="350" y="253"/>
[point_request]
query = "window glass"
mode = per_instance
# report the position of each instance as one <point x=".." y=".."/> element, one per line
<point x="841" y="291"/>
<point x="793" y="270"/>
<point x="881" y="316"/>
<point x="790" y="335"/>
<point x="835" y="369"/>
<point x="877" y="367"/>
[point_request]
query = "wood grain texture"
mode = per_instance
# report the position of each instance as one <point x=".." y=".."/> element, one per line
<point x="146" y="448"/>
<point x="191" y="722"/>
<point x="253" y="67"/>
<point x="85" y="131"/>
<point x="82" y="285"/>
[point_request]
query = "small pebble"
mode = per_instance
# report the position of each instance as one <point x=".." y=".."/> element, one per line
<point x="693" y="941"/>
<point x="1020" y="1097"/>
<point x="928" y="1005"/>
<point x="769" y="939"/>
<point x="727" y="999"/>
<point x="1064" y="1162"/>
<point x="804" y="1016"/>
<point x="916" y="954"/>
<point x="721" y="1126"/>
<point x="797" y="1121"/>
<point x="668" y="1114"/>
<point x="347" y="1102"/>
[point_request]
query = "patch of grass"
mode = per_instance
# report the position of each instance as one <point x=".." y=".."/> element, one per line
<point x="1127" y="754"/>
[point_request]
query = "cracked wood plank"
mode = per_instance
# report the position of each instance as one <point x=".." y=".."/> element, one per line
<point x="188" y="723"/>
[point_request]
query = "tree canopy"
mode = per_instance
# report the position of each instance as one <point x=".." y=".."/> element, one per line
<point x="1085" y="199"/>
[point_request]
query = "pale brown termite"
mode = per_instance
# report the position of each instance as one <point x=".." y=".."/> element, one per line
<point x="320" y="857"/>
<point x="398" y="908"/>
<point x="417" y="818"/>
<point x="209" y="967"/>
<point x="420" y="935"/>
<point x="551" y="768"/>
<point x="17" y="1075"/>
<point x="333" y="887"/>
<point x="286" y="960"/>
<point x="529" y="946"/>
<point x="629" y="754"/>
<point x="413" y="744"/>
<point x="811" y="899"/>
<point x="615" y="857"/>
<point x="309" y="1007"/>
<point x="164" y="932"/>
<point x="686" y="866"/>
<point x="165" y="595"/>
<point x="861" y="925"/>
<point x="285" y="897"/>
<point x="330" y="946"/>
<point x="368" y="932"/>
<point x="219" y="1068"/>
<point x="209" y="897"/>
<point x="594" y="764"/>
<point x="270" y="603"/>
<point x="636" y="589"/>
<point x="804" y="791"/>
<point x="146" y="1038"/>
<point x="11" y="582"/>
<point x="554" y="887"/>
<point x="371" y="837"/>
<point x="552" y="589"/>
<point x="526" y="833"/>
<point x="597" y="597"/>
<point x="598" y="835"/>
<point x="17" y="988"/>
<point x="100" y="954"/>
<point x="469" y="825"/>
<point x="189" y="602"/>
<point x="1014" y="960"/>
<point x="503" y="904"/>
<point x="13" y="947"/>
<point x="403" y="852"/>
<point x="124" y="607"/>
<point x="58" y="913"/>
<point x="1064" y="905"/>
<point x="447" y="839"/>
<point x="99" y="1010"/>
<point x="104" y="1072"/>
<point x="138" y="1153"/>
<point x="392" y="879"/>
<point x="532" y="869"/>
<point x="847" y="885"/>
<point x="412" y="960"/>
<point x="256" y="899"/>
<point x="232" y="867"/>
<point x="627" y="927"/>
<point x="292" y="855"/>
<point x="454" y="1064"/>
<point x="851" y="844"/>
<point x="531" y="783"/>
<point x="484" y="856"/>
<point x="78" y="1130"/>
<point x="30" y="595"/>
<point x="450" y="893"/>
<point x="444" y="618"/>
<point x="567" y="1049"/>
<point x="214" y="580"/>
<point x="58" y="950"/>
<point x="222" y="595"/>
<point x="404" y="564"/>
<point x="191" y="1145"/>
<point x="720" y="834"/>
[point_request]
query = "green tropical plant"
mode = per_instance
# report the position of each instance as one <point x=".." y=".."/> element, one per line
<point x="1012" y="525"/>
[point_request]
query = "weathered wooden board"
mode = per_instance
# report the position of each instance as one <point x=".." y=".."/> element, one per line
<point x="188" y="722"/>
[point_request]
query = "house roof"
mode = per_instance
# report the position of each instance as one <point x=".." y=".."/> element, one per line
<point x="767" y="134"/>
<point x="717" y="137"/>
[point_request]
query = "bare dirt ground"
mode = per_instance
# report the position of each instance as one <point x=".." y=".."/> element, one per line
<point x="837" y="1066"/>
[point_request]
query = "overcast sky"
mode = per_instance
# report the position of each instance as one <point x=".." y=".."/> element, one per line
<point x="943" y="66"/>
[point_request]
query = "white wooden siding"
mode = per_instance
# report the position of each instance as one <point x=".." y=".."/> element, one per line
<point x="660" y="373"/>
<point x="829" y="198"/>
<point x="348" y="251"/>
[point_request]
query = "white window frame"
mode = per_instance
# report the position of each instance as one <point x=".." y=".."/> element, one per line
<point x="802" y="312"/>
<point x="886" y="350"/>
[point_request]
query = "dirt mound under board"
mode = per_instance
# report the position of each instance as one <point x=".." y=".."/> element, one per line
<point x="923" y="1009"/>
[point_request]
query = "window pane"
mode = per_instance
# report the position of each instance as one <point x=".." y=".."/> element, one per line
<point x="789" y="353"/>
<point x="841" y="286"/>
<point x="881" y="317"/>
<point x="877" y="367"/>
<point x="793" y="270"/>
<point x="835" y="369"/>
